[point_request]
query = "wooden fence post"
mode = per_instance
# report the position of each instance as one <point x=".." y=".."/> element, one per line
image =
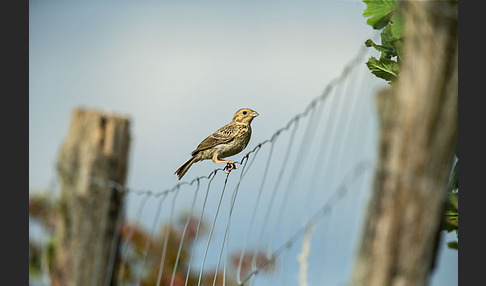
<point x="418" y="138"/>
<point x="92" y="163"/>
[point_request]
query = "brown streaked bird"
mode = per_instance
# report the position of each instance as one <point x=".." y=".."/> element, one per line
<point x="227" y="141"/>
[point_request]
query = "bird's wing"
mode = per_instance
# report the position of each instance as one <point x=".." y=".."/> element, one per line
<point x="222" y="135"/>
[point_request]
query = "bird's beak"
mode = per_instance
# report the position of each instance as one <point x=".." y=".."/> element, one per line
<point x="254" y="114"/>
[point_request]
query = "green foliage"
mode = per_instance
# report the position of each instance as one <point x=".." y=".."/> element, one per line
<point x="451" y="215"/>
<point x="454" y="183"/>
<point x="379" y="11"/>
<point x="383" y="68"/>
<point x="453" y="245"/>
<point x="384" y="14"/>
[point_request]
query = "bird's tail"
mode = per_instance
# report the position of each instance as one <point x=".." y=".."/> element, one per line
<point x="183" y="169"/>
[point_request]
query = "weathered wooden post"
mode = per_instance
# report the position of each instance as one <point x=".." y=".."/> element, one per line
<point x="92" y="167"/>
<point x="418" y="137"/>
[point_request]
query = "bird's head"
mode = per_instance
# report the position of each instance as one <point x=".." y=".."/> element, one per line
<point x="245" y="115"/>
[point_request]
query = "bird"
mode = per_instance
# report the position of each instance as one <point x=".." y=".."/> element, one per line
<point x="227" y="141"/>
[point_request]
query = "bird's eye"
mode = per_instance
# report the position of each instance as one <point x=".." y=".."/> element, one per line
<point x="244" y="112"/>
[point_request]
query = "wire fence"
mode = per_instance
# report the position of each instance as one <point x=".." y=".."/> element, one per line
<point x="289" y="215"/>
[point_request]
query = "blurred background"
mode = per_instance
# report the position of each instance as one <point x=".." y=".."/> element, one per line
<point x="179" y="71"/>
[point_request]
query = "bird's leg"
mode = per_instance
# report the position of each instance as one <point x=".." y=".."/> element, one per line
<point x="230" y="165"/>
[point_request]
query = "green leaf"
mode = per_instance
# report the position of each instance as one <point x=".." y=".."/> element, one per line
<point x="388" y="40"/>
<point x="453" y="202"/>
<point x="397" y="25"/>
<point x="451" y="214"/>
<point x="453" y="245"/>
<point x="454" y="183"/>
<point x="384" y="50"/>
<point x="448" y="226"/>
<point x="383" y="68"/>
<point x="379" y="12"/>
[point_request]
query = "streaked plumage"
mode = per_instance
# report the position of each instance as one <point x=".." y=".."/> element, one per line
<point x="227" y="141"/>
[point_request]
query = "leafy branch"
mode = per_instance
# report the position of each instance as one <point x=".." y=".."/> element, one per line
<point x="384" y="15"/>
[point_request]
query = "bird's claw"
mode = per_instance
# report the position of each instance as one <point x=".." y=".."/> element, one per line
<point x="230" y="167"/>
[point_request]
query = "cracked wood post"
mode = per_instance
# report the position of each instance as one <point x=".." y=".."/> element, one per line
<point x="417" y="142"/>
<point x="95" y="151"/>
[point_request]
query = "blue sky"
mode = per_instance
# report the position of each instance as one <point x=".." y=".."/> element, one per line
<point x="168" y="63"/>
<point x="180" y="71"/>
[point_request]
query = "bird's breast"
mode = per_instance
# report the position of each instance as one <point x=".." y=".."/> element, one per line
<point x="236" y="145"/>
